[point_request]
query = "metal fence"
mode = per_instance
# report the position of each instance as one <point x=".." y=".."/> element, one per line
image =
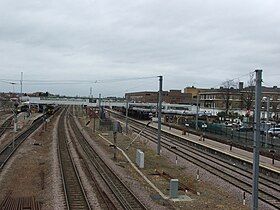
<point x="236" y="136"/>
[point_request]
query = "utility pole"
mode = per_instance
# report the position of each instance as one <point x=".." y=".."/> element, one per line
<point x="90" y="92"/>
<point x="13" y="83"/>
<point x="257" y="139"/>
<point x="126" y="114"/>
<point x="99" y="105"/>
<point x="94" y="113"/>
<point x="99" y="101"/>
<point x="15" y="122"/>
<point x="21" y="77"/>
<point x="115" y="144"/>
<point x="159" y="114"/>
<point x="15" y="128"/>
<point x="267" y="120"/>
<point x="196" y="116"/>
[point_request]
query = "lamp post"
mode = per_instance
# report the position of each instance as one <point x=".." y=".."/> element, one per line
<point x="13" y="83"/>
<point x="196" y="116"/>
<point x="126" y="114"/>
<point x="15" y="129"/>
<point x="267" y="99"/>
<point x="159" y="114"/>
<point x="95" y="113"/>
<point x="256" y="160"/>
<point x="204" y="126"/>
<point x="15" y="122"/>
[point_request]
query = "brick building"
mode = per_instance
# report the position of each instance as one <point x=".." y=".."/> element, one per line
<point x="194" y="91"/>
<point x="172" y="97"/>
<point x="241" y="99"/>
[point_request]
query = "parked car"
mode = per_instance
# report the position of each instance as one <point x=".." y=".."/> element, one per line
<point x="274" y="131"/>
<point x="244" y="128"/>
<point x="228" y="124"/>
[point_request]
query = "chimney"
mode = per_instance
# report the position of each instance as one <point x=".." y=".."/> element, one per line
<point x="240" y="85"/>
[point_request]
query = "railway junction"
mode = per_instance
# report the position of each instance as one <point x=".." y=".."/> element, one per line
<point x="210" y="175"/>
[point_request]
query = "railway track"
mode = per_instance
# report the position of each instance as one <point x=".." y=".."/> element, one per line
<point x="7" y="152"/>
<point x="75" y="196"/>
<point x="19" y="203"/>
<point x="269" y="188"/>
<point x="124" y="196"/>
<point x="5" y="125"/>
<point x="104" y="200"/>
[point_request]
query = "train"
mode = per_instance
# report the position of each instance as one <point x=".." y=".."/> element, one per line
<point x="176" y="109"/>
<point x="48" y="109"/>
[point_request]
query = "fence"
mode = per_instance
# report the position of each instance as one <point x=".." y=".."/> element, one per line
<point x="235" y="136"/>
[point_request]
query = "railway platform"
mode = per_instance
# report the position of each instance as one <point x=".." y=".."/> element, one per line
<point x="237" y="153"/>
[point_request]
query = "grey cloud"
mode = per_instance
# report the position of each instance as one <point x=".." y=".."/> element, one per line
<point x="188" y="42"/>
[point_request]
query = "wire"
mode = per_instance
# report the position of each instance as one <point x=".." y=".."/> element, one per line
<point x="268" y="85"/>
<point x="8" y="82"/>
<point x="233" y="79"/>
<point x="56" y="83"/>
<point x="126" y="90"/>
<point x="73" y="82"/>
<point x="124" y="79"/>
<point x="273" y="75"/>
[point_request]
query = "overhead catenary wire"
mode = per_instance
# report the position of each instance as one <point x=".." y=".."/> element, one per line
<point x="31" y="82"/>
<point x="73" y="82"/>
<point x="126" y="90"/>
<point x="9" y="82"/>
<point x="269" y="85"/>
<point x="233" y="79"/>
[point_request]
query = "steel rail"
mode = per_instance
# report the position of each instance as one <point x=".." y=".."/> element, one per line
<point x="264" y="180"/>
<point x="126" y="198"/>
<point x="13" y="145"/>
<point x="104" y="200"/>
<point x="222" y="168"/>
<point x="75" y="196"/>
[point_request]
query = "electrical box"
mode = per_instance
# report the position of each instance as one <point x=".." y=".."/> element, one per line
<point x="140" y="158"/>
<point x="174" y="184"/>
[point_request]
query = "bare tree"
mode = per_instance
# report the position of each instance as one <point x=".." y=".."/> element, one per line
<point x="248" y="93"/>
<point x="228" y="90"/>
<point x="275" y="110"/>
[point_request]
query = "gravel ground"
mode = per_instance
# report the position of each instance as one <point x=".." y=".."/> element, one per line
<point x="34" y="171"/>
<point x="80" y="162"/>
<point x="119" y="170"/>
<point x="207" y="199"/>
<point x="214" y="192"/>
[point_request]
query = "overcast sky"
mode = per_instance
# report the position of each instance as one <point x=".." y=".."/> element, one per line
<point x="103" y="44"/>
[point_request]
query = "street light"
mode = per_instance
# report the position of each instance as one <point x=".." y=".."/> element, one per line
<point x="126" y="114"/>
<point x="13" y="83"/>
<point x="15" y="121"/>
<point x="196" y="116"/>
<point x="267" y="99"/>
<point x="204" y="126"/>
